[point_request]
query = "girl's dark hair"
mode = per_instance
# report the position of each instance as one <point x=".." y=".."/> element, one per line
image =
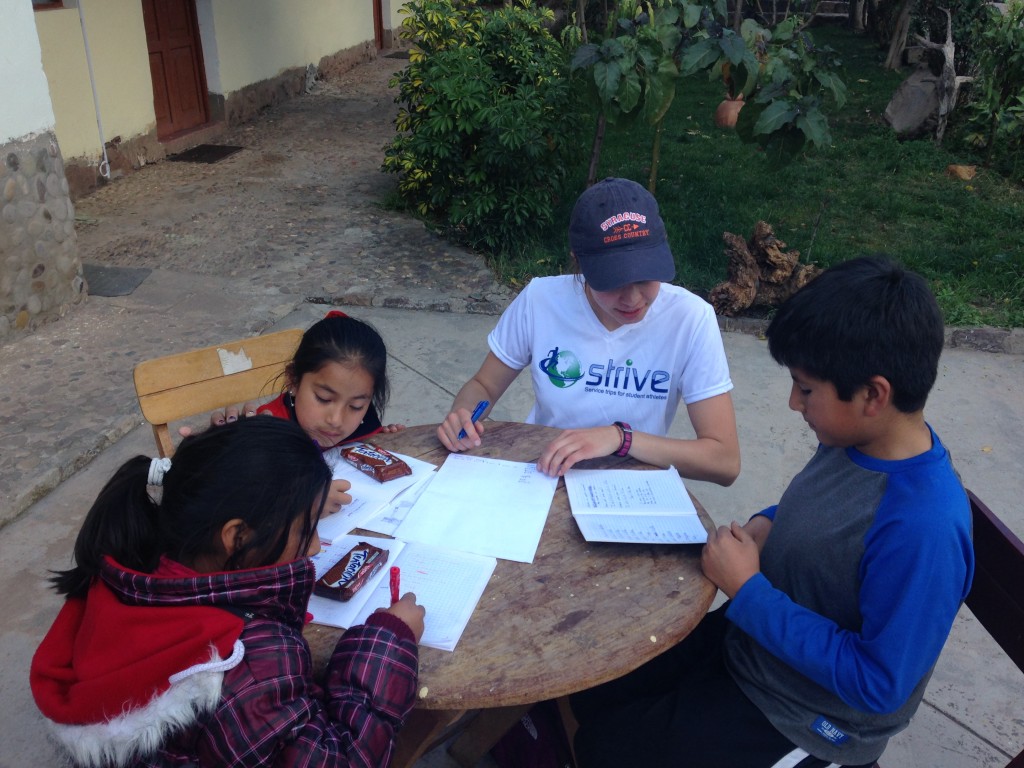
<point x="346" y="341"/>
<point x="266" y="472"/>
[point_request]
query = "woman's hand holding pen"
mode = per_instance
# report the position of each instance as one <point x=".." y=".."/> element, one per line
<point x="730" y="558"/>
<point x="575" y="445"/>
<point x="337" y="496"/>
<point x="461" y="430"/>
<point x="407" y="610"/>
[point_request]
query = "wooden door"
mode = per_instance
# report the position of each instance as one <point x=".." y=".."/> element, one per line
<point x="176" y="65"/>
<point x="378" y="24"/>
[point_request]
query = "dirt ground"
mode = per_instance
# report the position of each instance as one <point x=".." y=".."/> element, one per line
<point x="300" y="210"/>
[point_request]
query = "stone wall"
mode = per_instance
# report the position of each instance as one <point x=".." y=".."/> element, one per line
<point x="40" y="270"/>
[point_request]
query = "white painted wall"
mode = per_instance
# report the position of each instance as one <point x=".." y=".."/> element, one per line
<point x="259" y="39"/>
<point x="24" y="91"/>
<point x="45" y="77"/>
<point x="120" y="63"/>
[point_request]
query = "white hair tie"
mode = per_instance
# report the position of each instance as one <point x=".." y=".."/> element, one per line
<point x="157" y="469"/>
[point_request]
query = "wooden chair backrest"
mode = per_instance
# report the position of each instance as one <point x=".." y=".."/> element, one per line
<point x="997" y="595"/>
<point x="178" y="386"/>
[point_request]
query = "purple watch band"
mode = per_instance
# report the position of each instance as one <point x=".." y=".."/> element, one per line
<point x="627" y="438"/>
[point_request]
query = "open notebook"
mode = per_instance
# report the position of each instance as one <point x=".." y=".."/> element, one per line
<point x="447" y="583"/>
<point x="633" y="506"/>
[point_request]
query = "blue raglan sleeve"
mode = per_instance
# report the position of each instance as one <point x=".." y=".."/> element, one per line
<point x="915" y="572"/>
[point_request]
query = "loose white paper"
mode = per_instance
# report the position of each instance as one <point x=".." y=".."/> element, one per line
<point x="337" y="613"/>
<point x="369" y="497"/>
<point x="393" y="515"/>
<point x="633" y="506"/>
<point x="486" y="506"/>
<point x="446" y="583"/>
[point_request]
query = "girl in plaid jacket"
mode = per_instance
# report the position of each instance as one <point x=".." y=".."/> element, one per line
<point x="180" y="641"/>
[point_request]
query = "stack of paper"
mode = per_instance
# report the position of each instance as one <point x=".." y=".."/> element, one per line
<point x="369" y="497"/>
<point x="448" y="584"/>
<point x="633" y="506"/>
<point x="485" y="506"/>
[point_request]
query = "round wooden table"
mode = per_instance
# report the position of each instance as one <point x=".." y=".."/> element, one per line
<point x="580" y="614"/>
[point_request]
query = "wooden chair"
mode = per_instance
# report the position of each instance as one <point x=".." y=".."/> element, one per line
<point x="178" y="386"/>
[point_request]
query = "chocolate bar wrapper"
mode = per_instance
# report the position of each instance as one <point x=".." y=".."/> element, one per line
<point x="375" y="462"/>
<point x="348" y="575"/>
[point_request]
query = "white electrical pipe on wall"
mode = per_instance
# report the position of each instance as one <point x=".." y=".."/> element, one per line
<point x="105" y="163"/>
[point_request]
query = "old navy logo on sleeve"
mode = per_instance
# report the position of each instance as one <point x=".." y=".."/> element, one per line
<point x="828" y="731"/>
<point x="563" y="369"/>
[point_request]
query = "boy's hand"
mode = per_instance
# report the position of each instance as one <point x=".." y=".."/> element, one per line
<point x="337" y="496"/>
<point x="412" y="614"/>
<point x="730" y="558"/>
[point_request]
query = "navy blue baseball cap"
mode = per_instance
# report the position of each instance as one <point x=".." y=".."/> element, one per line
<point x="618" y="237"/>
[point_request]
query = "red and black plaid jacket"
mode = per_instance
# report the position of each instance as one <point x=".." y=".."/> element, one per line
<point x="270" y="710"/>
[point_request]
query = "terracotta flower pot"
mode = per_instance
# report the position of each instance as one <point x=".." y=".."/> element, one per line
<point x="728" y="112"/>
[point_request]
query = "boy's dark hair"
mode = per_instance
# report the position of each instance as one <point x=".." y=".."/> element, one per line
<point x="864" y="317"/>
<point x="341" y="339"/>
<point x="267" y="472"/>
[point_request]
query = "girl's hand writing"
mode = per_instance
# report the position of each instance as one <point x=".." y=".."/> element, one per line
<point x="407" y="610"/>
<point x="575" y="445"/>
<point x="730" y="558"/>
<point x="456" y="421"/>
<point x="337" y="496"/>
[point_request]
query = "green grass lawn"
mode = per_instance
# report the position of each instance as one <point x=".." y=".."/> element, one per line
<point x="869" y="193"/>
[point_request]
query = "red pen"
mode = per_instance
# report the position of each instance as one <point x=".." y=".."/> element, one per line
<point x="396" y="575"/>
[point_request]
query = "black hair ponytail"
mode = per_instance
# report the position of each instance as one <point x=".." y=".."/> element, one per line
<point x="263" y="471"/>
<point x="121" y="523"/>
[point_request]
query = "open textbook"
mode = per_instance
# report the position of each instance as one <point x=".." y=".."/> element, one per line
<point x="633" y="506"/>
<point x="448" y="584"/>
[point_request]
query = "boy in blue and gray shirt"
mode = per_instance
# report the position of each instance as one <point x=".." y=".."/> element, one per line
<point x="842" y="594"/>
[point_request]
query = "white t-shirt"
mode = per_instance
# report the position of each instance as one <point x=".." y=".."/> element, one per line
<point x="586" y="376"/>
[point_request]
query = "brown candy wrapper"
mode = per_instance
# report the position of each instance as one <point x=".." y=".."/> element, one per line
<point x="375" y="462"/>
<point x="349" y="574"/>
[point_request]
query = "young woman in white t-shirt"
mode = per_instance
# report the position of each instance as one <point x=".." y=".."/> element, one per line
<point x="612" y="351"/>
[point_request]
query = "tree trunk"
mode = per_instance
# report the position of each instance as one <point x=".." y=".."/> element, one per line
<point x="898" y="44"/>
<point x="949" y="82"/>
<point x="595" y="151"/>
<point x="652" y="179"/>
<point x="856" y="17"/>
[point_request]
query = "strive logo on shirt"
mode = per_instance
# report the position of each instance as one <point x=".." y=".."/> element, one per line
<point x="563" y="369"/>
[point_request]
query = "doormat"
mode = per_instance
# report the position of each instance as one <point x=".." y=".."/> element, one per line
<point x="113" y="281"/>
<point x="205" y="153"/>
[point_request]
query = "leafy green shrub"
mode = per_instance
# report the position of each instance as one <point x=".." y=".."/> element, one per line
<point x="996" y="109"/>
<point x="653" y="44"/>
<point x="485" y="125"/>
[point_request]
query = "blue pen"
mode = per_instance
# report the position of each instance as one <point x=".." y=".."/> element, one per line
<point x="477" y="413"/>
